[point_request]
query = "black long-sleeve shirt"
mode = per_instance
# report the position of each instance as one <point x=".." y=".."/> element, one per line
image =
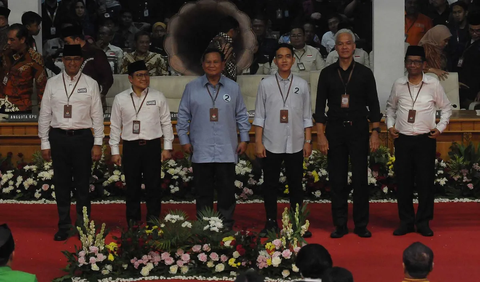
<point x="361" y="89"/>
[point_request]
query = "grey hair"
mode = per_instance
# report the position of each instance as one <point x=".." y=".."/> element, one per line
<point x="342" y="31"/>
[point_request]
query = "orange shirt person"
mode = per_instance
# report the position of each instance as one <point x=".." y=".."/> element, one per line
<point x="416" y="24"/>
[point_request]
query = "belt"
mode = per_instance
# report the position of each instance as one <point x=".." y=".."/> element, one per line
<point x="140" y="142"/>
<point x="71" y="132"/>
<point x="415" y="136"/>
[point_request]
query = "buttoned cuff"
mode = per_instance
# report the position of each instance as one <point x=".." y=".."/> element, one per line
<point x="307" y="123"/>
<point x="45" y="145"/>
<point x="259" y="122"/>
<point x="441" y="127"/>
<point x="98" y="141"/>
<point x="184" y="139"/>
<point x="167" y="145"/>
<point x="244" y="137"/>
<point x="114" y="150"/>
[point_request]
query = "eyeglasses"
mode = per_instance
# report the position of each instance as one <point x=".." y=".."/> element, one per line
<point x="142" y="75"/>
<point x="296" y="35"/>
<point x="74" y="59"/>
<point x="414" y="62"/>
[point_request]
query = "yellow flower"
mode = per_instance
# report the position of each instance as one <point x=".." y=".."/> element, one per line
<point x="315" y="176"/>
<point x="269" y="246"/>
<point x="229" y="238"/>
<point x="148" y="232"/>
<point x="232" y="263"/>
<point x="111" y="257"/>
<point x="269" y="262"/>
<point x="286" y="191"/>
<point x="112" y="246"/>
<point x="304" y="165"/>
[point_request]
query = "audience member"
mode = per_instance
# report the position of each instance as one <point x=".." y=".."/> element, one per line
<point x="4" y="13"/>
<point x="266" y="46"/>
<point x="417" y="262"/>
<point x="460" y="36"/>
<point x="328" y="39"/>
<point x="438" y="11"/>
<point x="337" y="274"/>
<point x="7" y="253"/>
<point x="159" y="30"/>
<point x="114" y="53"/>
<point x="469" y="64"/>
<point x="32" y="21"/>
<point x="312" y="261"/>
<point x="213" y="134"/>
<point x="96" y="63"/>
<point x="250" y="276"/>
<point x="113" y="7"/>
<point x="141" y="131"/>
<point x="21" y="66"/>
<point x="155" y="63"/>
<point x="52" y="19"/>
<point x="362" y="13"/>
<point x="81" y="18"/>
<point x="416" y="24"/>
<point x="307" y="58"/>
<point x="70" y="109"/>
<point x="312" y="39"/>
<point x="125" y="35"/>
<point x="223" y="41"/>
<point x="410" y="122"/>
<point x="434" y="43"/>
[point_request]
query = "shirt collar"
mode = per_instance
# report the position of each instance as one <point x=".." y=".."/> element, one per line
<point x="68" y="78"/>
<point x="204" y="80"/>
<point x="284" y="79"/>
<point x="349" y="67"/>
<point x="304" y="48"/>
<point x="425" y="79"/>
<point x="144" y="92"/>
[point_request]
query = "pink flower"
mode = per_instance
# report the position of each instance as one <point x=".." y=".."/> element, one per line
<point x="296" y="249"/>
<point x="136" y="265"/>
<point x="93" y="249"/>
<point x="169" y="261"/>
<point x="214" y="256"/>
<point x="470" y="186"/>
<point x="93" y="260"/>
<point x="206" y="248"/>
<point x="81" y="254"/>
<point x="165" y="255"/>
<point x="202" y="257"/>
<point x="197" y="248"/>
<point x="92" y="187"/>
<point x="180" y="252"/>
<point x="286" y="254"/>
<point x="185" y="257"/>
<point x="180" y="263"/>
<point x="277" y="243"/>
<point x="132" y="261"/>
<point x="45" y="187"/>
<point x="223" y="258"/>
<point x="262" y="265"/>
<point x="276" y="254"/>
<point x="100" y="257"/>
<point x="81" y="261"/>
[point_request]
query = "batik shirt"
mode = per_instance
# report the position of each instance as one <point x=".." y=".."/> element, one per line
<point x="156" y="65"/>
<point x="218" y="42"/>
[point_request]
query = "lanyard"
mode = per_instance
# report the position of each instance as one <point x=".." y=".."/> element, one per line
<point x="135" y="107"/>
<point x="299" y="58"/>
<point x="54" y="14"/>
<point x="65" y="86"/>
<point x="345" y="85"/>
<point x="216" y="94"/>
<point x="408" y="85"/>
<point x="280" y="89"/>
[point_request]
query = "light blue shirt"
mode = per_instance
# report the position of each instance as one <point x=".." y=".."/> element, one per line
<point x="280" y="138"/>
<point x="217" y="141"/>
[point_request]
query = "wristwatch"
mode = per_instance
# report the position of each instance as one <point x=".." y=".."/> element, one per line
<point x="308" y="141"/>
<point x="377" y="129"/>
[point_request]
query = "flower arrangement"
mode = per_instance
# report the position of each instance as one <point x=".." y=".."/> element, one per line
<point x="464" y="169"/>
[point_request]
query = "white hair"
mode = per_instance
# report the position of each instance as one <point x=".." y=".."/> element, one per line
<point x="342" y="31"/>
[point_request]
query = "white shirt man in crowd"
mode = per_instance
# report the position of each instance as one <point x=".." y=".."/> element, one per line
<point x="70" y="107"/>
<point x="307" y="58"/>
<point x="114" y="53"/>
<point x="411" y="110"/>
<point x="283" y="120"/>
<point x="141" y="116"/>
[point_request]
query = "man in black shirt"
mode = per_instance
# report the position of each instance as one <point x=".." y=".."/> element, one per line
<point x="349" y="88"/>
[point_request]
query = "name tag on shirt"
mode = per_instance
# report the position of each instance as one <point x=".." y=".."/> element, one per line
<point x="136" y="127"/>
<point x="301" y="66"/>
<point x="411" y="116"/>
<point x="152" y="102"/>
<point x="283" y="116"/>
<point x="345" y="103"/>
<point x="67" y="111"/>
<point x="82" y="90"/>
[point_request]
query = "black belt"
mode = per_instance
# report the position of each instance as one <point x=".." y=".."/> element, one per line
<point x="141" y="142"/>
<point x="72" y="132"/>
<point x="415" y="136"/>
<point x="345" y="123"/>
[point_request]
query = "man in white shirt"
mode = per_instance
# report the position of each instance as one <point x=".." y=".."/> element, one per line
<point x="307" y="58"/>
<point x="70" y="107"/>
<point x="140" y="116"/>
<point x="283" y="132"/>
<point x="114" y="53"/>
<point x="411" y="110"/>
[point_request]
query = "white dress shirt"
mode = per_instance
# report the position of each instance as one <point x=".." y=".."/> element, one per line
<point x="431" y="97"/>
<point x="279" y="137"/>
<point x="308" y="56"/>
<point x="86" y="107"/>
<point x="154" y="117"/>
<point x="328" y="41"/>
<point x="115" y="57"/>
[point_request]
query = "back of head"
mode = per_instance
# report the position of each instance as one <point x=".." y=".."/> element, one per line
<point x="30" y="17"/>
<point x="21" y="30"/>
<point x="7" y="245"/>
<point x="250" y="276"/>
<point x="228" y="23"/>
<point x="313" y="260"/>
<point x="337" y="274"/>
<point x="418" y="260"/>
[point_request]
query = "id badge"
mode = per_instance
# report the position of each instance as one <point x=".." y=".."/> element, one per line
<point x="283" y="116"/>
<point x="301" y="66"/>
<point x="53" y="30"/>
<point x="411" y="116"/>
<point x="213" y="114"/>
<point x="460" y="62"/>
<point x="5" y="80"/>
<point x="67" y="111"/>
<point x="345" y="103"/>
<point x="136" y="127"/>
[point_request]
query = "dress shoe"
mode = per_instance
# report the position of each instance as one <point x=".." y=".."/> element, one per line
<point x="307" y="234"/>
<point x="339" y="232"/>
<point x="272" y="225"/>
<point x="362" y="232"/>
<point x="61" y="235"/>
<point x="425" y="231"/>
<point x="403" y="229"/>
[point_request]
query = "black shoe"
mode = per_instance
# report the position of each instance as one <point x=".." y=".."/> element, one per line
<point x="271" y="224"/>
<point x="425" y="231"/>
<point x="403" y="229"/>
<point x="339" y="232"/>
<point x="307" y="234"/>
<point x="362" y="232"/>
<point x="61" y="235"/>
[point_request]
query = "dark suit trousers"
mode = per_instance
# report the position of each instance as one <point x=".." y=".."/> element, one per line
<point x="142" y="158"/>
<point x="415" y="166"/>
<point x="294" y="173"/>
<point x="348" y="141"/>
<point x="207" y="177"/>
<point x="72" y="158"/>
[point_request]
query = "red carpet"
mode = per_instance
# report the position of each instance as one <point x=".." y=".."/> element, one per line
<point x="456" y="243"/>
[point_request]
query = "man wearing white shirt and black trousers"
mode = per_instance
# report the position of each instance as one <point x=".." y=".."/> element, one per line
<point x="70" y="107"/>
<point x="411" y="110"/>
<point x="140" y="116"/>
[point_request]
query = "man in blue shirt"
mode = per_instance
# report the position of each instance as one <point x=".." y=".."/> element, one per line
<point x="212" y="109"/>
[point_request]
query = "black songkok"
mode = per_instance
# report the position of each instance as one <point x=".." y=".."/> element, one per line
<point x="415" y="51"/>
<point x="72" y="51"/>
<point x="136" y="66"/>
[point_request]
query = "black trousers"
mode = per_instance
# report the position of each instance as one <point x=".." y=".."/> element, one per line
<point x="207" y="177"/>
<point x="294" y="173"/>
<point x="142" y="162"/>
<point x="72" y="159"/>
<point x="348" y="141"/>
<point x="415" y="166"/>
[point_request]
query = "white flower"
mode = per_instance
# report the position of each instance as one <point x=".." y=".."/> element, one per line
<point x="236" y="254"/>
<point x="184" y="269"/>
<point x="285" y="273"/>
<point x="295" y="268"/>
<point x="173" y="269"/>
<point x="219" y="267"/>
<point x="105" y="272"/>
<point x="171" y="163"/>
<point x="117" y="172"/>
<point x="276" y="261"/>
<point x="95" y="267"/>
<point x="317" y="193"/>
<point x="238" y="184"/>
<point x="385" y="190"/>
<point x="37" y="194"/>
<point x="210" y="264"/>
<point x="233" y="273"/>
<point x="122" y="177"/>
<point x="145" y="271"/>
<point x="186" y="224"/>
